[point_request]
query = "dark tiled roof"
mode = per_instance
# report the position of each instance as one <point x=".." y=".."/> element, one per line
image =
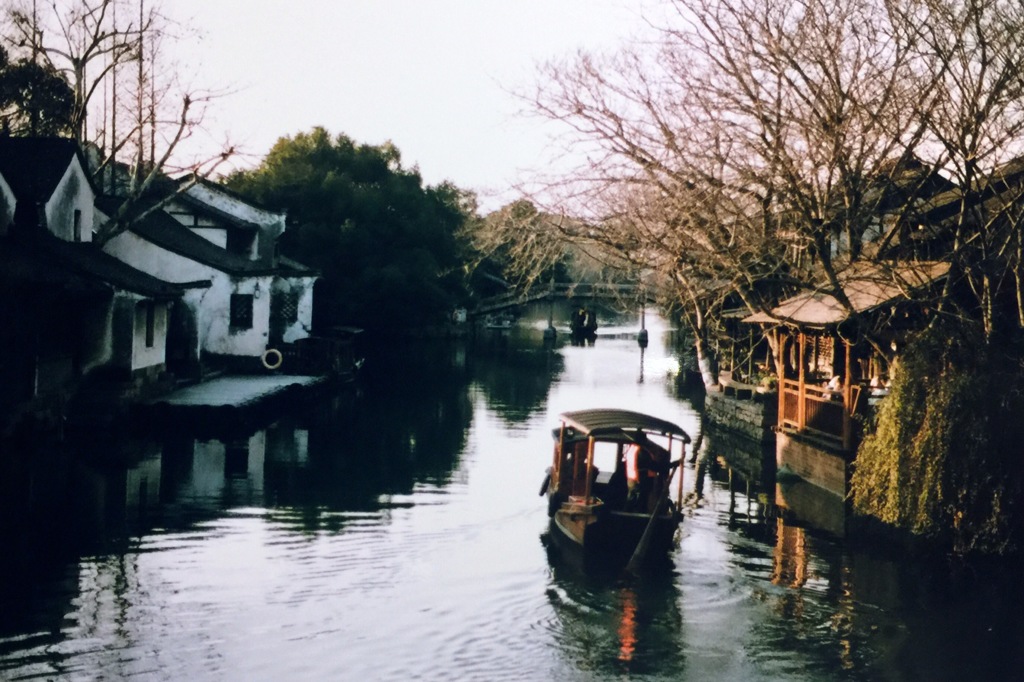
<point x="92" y="261"/>
<point x="162" y="230"/>
<point x="88" y="261"/>
<point x="203" y="207"/>
<point x="33" y="166"/>
<point x="293" y="268"/>
<point x="25" y="266"/>
<point x="227" y="191"/>
<point x="866" y="285"/>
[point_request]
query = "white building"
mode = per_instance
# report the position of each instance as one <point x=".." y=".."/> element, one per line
<point x="241" y="299"/>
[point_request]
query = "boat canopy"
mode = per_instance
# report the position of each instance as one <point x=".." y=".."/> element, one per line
<point x="607" y="423"/>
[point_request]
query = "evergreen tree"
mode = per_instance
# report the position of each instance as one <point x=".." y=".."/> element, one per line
<point x="34" y="98"/>
<point x="388" y="247"/>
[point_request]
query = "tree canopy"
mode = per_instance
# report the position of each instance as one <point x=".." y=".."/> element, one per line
<point x="387" y="246"/>
<point x="34" y="98"/>
<point x="745" y="150"/>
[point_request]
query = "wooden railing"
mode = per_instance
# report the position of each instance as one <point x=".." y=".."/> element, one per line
<point x="816" y="411"/>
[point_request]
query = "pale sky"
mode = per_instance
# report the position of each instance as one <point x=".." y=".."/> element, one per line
<point x="429" y="75"/>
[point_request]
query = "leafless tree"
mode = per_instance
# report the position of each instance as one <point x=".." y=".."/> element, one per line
<point x="130" y="107"/>
<point x="740" y="147"/>
<point x="975" y="49"/>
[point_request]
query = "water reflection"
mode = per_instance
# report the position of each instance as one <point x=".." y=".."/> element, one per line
<point x="515" y="379"/>
<point x="612" y="624"/>
<point x="392" y="533"/>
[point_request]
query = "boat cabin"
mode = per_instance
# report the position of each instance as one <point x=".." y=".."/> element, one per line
<point x="615" y="458"/>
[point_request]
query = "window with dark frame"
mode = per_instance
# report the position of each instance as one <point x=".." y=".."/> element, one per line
<point x="150" y="324"/>
<point x="290" y="307"/>
<point x="241" y="311"/>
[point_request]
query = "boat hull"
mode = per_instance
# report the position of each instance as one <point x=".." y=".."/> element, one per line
<point x="598" y="533"/>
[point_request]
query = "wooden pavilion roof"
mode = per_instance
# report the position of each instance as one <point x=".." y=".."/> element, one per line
<point x="866" y="285"/>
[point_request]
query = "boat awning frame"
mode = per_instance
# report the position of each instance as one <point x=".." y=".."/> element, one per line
<point x="607" y="422"/>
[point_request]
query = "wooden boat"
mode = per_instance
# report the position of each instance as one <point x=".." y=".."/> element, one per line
<point x="609" y="485"/>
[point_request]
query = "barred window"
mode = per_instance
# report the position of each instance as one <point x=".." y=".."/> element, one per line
<point x="241" y="311"/>
<point x="290" y="306"/>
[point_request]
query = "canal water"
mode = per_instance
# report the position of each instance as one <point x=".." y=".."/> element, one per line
<point x="395" y="532"/>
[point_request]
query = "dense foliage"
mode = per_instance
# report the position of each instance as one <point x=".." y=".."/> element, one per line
<point x="34" y="98"/>
<point x="943" y="461"/>
<point x="387" y="247"/>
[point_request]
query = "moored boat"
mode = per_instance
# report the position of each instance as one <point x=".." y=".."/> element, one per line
<point x="609" y="485"/>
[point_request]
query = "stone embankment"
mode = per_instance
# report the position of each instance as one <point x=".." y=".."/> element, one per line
<point x="751" y="417"/>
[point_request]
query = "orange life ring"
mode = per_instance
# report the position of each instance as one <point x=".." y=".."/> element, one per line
<point x="272" y="364"/>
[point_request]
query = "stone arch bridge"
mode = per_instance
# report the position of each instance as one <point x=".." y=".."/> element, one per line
<point x="631" y="293"/>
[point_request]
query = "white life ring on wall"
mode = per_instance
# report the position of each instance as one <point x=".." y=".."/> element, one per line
<point x="272" y="358"/>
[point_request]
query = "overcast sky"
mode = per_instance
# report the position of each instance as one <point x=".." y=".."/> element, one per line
<point x="429" y="75"/>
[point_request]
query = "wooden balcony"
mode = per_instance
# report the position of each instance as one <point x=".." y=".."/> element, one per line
<point x="818" y="412"/>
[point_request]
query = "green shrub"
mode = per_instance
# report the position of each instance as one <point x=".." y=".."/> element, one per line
<point x="943" y="456"/>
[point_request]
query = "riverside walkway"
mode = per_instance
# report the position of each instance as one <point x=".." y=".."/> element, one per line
<point x="234" y="391"/>
<point x="229" y="405"/>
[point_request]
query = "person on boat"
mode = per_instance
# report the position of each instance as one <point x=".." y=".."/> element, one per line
<point x="646" y="462"/>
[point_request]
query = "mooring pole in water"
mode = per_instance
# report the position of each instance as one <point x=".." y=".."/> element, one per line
<point x="549" y="333"/>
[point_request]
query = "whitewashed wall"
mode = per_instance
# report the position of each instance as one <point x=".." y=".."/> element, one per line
<point x="97" y="336"/>
<point x="302" y="287"/>
<point x="143" y="356"/>
<point x="7" y="206"/>
<point x="118" y="336"/>
<point x="73" y="193"/>
<point x="211" y="307"/>
<point x="272" y="223"/>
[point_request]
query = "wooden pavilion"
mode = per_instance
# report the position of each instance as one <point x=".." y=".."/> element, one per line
<point x="827" y="371"/>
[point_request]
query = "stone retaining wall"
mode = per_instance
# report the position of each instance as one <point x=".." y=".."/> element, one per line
<point x="753" y="419"/>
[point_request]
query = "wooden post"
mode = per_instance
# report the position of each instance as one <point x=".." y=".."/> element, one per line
<point x="750" y="354"/>
<point x="847" y="398"/>
<point x="801" y="405"/>
<point x="590" y="467"/>
<point x="780" y="372"/>
<point x="556" y="467"/>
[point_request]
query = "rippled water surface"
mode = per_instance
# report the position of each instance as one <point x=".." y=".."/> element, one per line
<point x="397" y="533"/>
